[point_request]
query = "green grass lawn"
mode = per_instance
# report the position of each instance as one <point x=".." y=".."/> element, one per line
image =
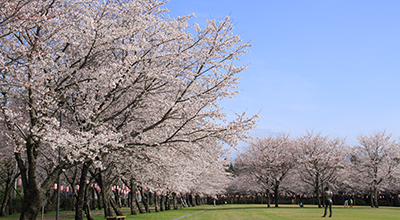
<point x="255" y="212"/>
<point x="289" y="212"/>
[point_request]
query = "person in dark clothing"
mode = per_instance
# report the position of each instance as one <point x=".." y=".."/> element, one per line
<point x="328" y="201"/>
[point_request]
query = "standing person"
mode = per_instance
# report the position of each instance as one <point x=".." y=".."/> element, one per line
<point x="346" y="201"/>
<point x="328" y="201"/>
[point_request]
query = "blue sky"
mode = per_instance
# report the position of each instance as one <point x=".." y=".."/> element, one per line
<point x="331" y="66"/>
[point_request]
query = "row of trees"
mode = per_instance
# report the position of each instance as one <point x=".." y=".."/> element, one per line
<point x="114" y="92"/>
<point x="307" y="164"/>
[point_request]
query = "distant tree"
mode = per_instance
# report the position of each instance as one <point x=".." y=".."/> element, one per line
<point x="268" y="161"/>
<point x="320" y="160"/>
<point x="375" y="161"/>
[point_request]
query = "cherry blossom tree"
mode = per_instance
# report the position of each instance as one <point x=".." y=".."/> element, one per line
<point x="320" y="160"/>
<point x="375" y="160"/>
<point x="269" y="161"/>
<point x="117" y="75"/>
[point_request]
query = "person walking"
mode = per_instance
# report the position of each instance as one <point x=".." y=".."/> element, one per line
<point x="328" y="201"/>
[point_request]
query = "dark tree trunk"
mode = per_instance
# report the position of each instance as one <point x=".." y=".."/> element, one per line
<point x="93" y="202"/>
<point x="193" y="200"/>
<point x="79" y="205"/>
<point x="376" y="195"/>
<point x="6" y="197"/>
<point x="131" y="198"/>
<point x="174" y="201"/>
<point x="135" y="195"/>
<point x="276" y="192"/>
<point x="162" y="202"/>
<point x="105" y="194"/>
<point x="86" y="204"/>
<point x="115" y="207"/>
<point x="156" y="202"/>
<point x="317" y="190"/>
<point x="87" y="211"/>
<point x="144" y="199"/>
<point x="33" y="196"/>
<point x="99" y="200"/>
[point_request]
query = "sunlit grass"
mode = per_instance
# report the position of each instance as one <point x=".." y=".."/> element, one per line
<point x="254" y="212"/>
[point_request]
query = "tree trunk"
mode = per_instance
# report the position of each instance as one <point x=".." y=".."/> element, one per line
<point x="193" y="200"/>
<point x="376" y="195"/>
<point x="317" y="190"/>
<point x="269" y="198"/>
<point x="144" y="200"/>
<point x="33" y="196"/>
<point x="276" y="191"/>
<point x="81" y="192"/>
<point x="141" y="211"/>
<point x="6" y="197"/>
<point x="99" y="200"/>
<point x="115" y="207"/>
<point x="156" y="202"/>
<point x="93" y="202"/>
<point x="166" y="203"/>
<point x="105" y="194"/>
<point x="162" y="203"/>
<point x="174" y="201"/>
<point x="131" y="198"/>
<point x="87" y="211"/>
<point x="86" y="204"/>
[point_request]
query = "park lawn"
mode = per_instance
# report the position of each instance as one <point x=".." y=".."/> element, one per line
<point x="286" y="212"/>
<point x="171" y="214"/>
<point x="253" y="212"/>
<point x="294" y="212"/>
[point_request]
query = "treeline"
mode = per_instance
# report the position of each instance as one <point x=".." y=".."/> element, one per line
<point x="280" y="165"/>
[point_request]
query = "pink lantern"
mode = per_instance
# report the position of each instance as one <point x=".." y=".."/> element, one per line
<point x="77" y="187"/>
<point x="61" y="188"/>
<point x="67" y="189"/>
<point x="55" y="186"/>
<point x="19" y="182"/>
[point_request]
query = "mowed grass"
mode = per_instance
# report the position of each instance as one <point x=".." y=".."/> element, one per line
<point x="255" y="212"/>
<point x="288" y="212"/>
<point x="252" y="212"/>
